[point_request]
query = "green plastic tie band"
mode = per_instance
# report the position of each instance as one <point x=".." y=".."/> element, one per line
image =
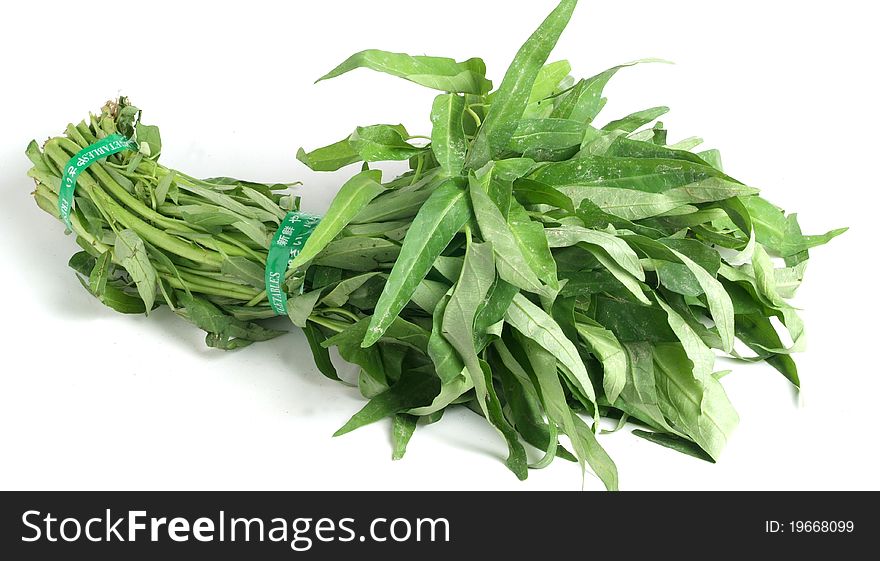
<point x="288" y="241"/>
<point x="84" y="158"/>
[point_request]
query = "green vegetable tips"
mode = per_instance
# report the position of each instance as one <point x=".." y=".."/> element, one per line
<point x="559" y="267"/>
<point x="541" y="270"/>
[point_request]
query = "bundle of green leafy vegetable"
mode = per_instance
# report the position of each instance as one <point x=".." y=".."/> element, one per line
<point x="537" y="268"/>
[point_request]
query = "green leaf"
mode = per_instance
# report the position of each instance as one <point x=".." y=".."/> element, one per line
<point x="687" y="144"/>
<point x="301" y="306"/>
<point x="379" y="143"/>
<point x="636" y="120"/>
<point x="677" y="278"/>
<point x="676" y="443"/>
<point x="132" y="254"/>
<point x="639" y="396"/>
<point x="719" y="302"/>
<point x="348" y="342"/>
<point x="357" y="254"/>
<point x="440" y="218"/>
<point x="781" y="234"/>
<point x="406" y="333"/>
<point x="447" y="137"/>
<point x="385" y="229"/>
<point x="758" y="333"/>
<point x="510" y="100"/>
<point x="230" y="204"/>
<point x="162" y="188"/>
<point x="450" y="392"/>
<point x="512" y="265"/>
<point x="509" y="169"/>
<point x="264" y="202"/>
<point x="530" y="192"/>
<point x="402" y="428"/>
<point x="449" y="267"/>
<point x="352" y="197"/>
<point x="695" y="404"/>
<point x="633" y="322"/>
<point x="244" y="270"/>
<point x="597" y="457"/>
<point x="517" y="461"/>
<point x="533" y="244"/>
<point x="393" y="205"/>
<point x="82" y="263"/>
<point x="207" y="218"/>
<point x="98" y="276"/>
<point x="649" y="175"/>
<point x="492" y="311"/>
<point x="99" y="272"/>
<point x="700" y="355"/>
<point x="788" y="279"/>
<point x="447" y="362"/>
<point x="627" y="204"/>
<point x="117" y="299"/>
<point x="337" y="297"/>
<point x="585" y="100"/>
<point x="536" y="324"/>
<point x="604" y="345"/>
<point x="544" y="366"/>
<point x="35" y="155"/>
<point x="329" y="158"/>
<point x="412" y="390"/>
<point x="630" y="204"/>
<point x="320" y="354"/>
<point x="548" y="79"/>
<point x="148" y="139"/>
<point x="546" y="134"/>
<point x="614" y="246"/>
<point x="470" y="291"/>
<point x="720" y="305"/>
<point x="433" y="72"/>
<point x="630" y="282"/>
<point x="428" y="294"/>
<point x="623" y="147"/>
<point x="224" y="331"/>
<point x="712" y="157"/>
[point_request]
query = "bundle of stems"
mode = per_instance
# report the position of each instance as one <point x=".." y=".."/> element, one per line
<point x="151" y="235"/>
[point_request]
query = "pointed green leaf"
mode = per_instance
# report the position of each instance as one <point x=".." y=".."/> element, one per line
<point x="512" y="265"/>
<point x="536" y="324"/>
<point x="512" y="96"/>
<point x="352" y="197"/>
<point x="329" y="158"/>
<point x="438" y="73"/>
<point x="440" y="218"/>
<point x="447" y="137"/>
<point x="132" y="254"/>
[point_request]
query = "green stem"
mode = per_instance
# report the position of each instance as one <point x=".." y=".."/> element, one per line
<point x="336" y="326"/>
<point x="152" y="234"/>
<point x="341" y="312"/>
<point x="418" y="172"/>
<point x="129" y="201"/>
<point x="256" y="299"/>
<point x="473" y="114"/>
<point x="126" y="198"/>
<point x="223" y="287"/>
<point x="194" y="287"/>
<point x="248" y="252"/>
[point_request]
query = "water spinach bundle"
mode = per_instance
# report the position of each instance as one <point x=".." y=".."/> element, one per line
<point x="533" y="266"/>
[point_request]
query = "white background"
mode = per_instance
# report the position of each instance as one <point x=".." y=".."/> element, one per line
<point x="94" y="400"/>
